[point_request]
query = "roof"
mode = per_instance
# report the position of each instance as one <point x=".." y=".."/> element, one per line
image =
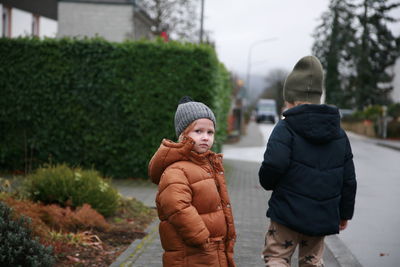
<point x="138" y="7"/>
<point x="46" y="8"/>
<point x="113" y="2"/>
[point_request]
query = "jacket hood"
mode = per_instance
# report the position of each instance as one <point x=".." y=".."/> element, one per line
<point x="316" y="123"/>
<point x="170" y="152"/>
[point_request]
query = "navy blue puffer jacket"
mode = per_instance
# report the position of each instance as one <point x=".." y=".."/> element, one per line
<point x="309" y="166"/>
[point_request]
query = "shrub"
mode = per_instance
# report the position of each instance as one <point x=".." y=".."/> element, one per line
<point x="30" y="210"/>
<point x="72" y="188"/>
<point x="47" y="218"/>
<point x="373" y="112"/>
<point x="5" y="185"/>
<point x="17" y="246"/>
<point x="394" y="110"/>
<point x="67" y="220"/>
<point x="393" y="129"/>
<point x="102" y="104"/>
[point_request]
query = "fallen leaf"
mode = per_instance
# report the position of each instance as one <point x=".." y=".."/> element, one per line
<point x="74" y="259"/>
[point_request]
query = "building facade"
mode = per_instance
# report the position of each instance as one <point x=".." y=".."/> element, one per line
<point x="114" y="20"/>
<point x="28" y="18"/>
<point x="396" y="82"/>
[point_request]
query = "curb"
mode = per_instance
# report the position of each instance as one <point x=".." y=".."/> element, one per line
<point x="376" y="141"/>
<point x="132" y="253"/>
<point x="388" y="146"/>
<point x="341" y="252"/>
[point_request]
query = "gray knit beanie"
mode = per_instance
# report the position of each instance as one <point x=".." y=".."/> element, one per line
<point x="188" y="111"/>
<point x="305" y="82"/>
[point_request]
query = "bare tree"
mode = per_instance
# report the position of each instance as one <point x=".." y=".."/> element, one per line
<point x="177" y="17"/>
<point x="275" y="79"/>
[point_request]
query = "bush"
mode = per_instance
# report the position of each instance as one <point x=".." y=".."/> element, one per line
<point x="394" y="110"/>
<point x="72" y="187"/>
<point x="17" y="246"/>
<point x="373" y="112"/>
<point x="45" y="218"/>
<point x="5" y="185"/>
<point x="393" y="129"/>
<point x="66" y="220"/>
<point x="94" y="103"/>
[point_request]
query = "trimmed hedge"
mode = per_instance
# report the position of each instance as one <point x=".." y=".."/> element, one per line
<point x="99" y="104"/>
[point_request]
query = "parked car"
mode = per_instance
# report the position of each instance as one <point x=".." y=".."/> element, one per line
<point x="345" y="112"/>
<point x="266" y="111"/>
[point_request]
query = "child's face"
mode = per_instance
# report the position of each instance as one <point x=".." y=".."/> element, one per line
<point x="203" y="135"/>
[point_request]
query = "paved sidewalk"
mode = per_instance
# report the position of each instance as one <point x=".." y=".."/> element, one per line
<point x="249" y="203"/>
<point x="145" y="192"/>
<point x="388" y="143"/>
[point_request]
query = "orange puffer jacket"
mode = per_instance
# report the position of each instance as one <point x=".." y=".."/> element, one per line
<point x="196" y="227"/>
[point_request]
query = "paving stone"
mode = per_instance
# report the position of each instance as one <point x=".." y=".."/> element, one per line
<point x="249" y="202"/>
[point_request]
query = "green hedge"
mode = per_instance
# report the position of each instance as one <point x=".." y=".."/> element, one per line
<point x="102" y="105"/>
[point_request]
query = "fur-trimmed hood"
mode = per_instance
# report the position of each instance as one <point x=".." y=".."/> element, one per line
<point x="170" y="152"/>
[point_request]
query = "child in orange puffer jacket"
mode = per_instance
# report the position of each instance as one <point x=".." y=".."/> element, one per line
<point x="193" y="205"/>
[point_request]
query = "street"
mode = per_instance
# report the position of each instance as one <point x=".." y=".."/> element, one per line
<point x="372" y="236"/>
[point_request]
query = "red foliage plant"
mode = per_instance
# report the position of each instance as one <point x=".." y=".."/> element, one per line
<point x="68" y="220"/>
<point x="53" y="217"/>
<point x="32" y="211"/>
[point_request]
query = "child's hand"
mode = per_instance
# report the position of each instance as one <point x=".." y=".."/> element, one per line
<point x="180" y="138"/>
<point x="342" y="225"/>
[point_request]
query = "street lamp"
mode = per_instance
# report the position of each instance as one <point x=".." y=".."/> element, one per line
<point x="249" y="57"/>
<point x="201" y="21"/>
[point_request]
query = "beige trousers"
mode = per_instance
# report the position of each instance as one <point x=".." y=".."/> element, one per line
<point x="281" y="242"/>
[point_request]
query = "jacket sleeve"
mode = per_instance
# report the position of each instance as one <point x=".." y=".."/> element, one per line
<point x="349" y="187"/>
<point x="174" y="201"/>
<point x="276" y="157"/>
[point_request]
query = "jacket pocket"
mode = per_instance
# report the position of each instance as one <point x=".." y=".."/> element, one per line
<point x="208" y="254"/>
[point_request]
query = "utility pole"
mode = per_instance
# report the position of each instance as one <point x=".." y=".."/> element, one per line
<point x="201" y="21"/>
<point x="249" y="59"/>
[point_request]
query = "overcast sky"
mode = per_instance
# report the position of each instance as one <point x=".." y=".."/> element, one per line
<point x="237" y="24"/>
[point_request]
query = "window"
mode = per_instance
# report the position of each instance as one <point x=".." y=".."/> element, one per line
<point x="6" y="21"/>
<point x="35" y="24"/>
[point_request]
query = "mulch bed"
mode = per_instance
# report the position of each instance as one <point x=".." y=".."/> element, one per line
<point x="102" y="251"/>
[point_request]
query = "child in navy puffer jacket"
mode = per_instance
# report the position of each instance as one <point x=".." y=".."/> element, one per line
<point x="309" y="167"/>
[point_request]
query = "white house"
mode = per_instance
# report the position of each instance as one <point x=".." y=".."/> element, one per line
<point x="28" y="18"/>
<point x="114" y="20"/>
<point x="396" y="82"/>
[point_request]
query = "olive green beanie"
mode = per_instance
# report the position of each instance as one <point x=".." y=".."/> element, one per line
<point x="305" y="82"/>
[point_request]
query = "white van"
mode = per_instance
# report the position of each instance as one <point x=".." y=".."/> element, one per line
<point x="266" y="111"/>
